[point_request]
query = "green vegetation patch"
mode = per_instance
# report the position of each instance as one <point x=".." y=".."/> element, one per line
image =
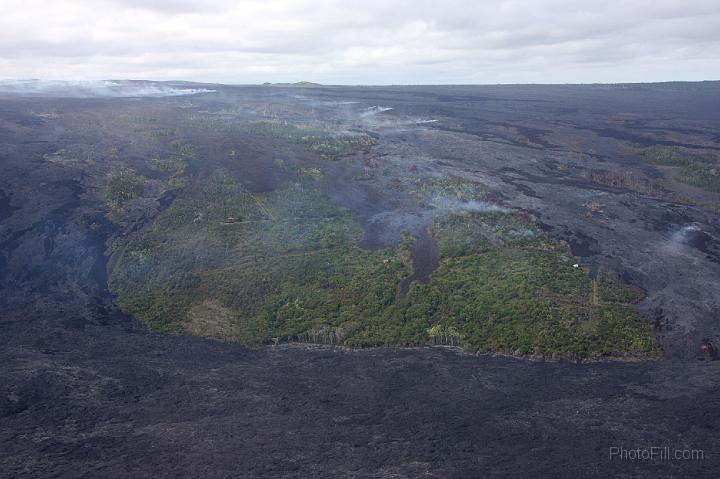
<point x="436" y="191"/>
<point x="286" y="266"/>
<point x="696" y="169"/>
<point x="314" y="173"/>
<point x="502" y="286"/>
<point x="174" y="167"/>
<point x="323" y="143"/>
<point x="609" y="289"/>
<point x="280" y="264"/>
<point x="122" y="186"/>
<point x="527" y="301"/>
<point x="183" y="148"/>
<point x="464" y="233"/>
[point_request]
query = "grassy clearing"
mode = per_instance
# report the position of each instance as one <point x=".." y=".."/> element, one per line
<point x="236" y="266"/>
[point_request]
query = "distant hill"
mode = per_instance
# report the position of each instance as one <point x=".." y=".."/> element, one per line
<point x="302" y="84"/>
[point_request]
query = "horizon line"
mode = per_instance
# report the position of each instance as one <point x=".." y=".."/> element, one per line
<point x="312" y="84"/>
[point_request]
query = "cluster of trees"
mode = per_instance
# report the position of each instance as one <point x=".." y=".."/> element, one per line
<point x="296" y="273"/>
<point x="697" y="169"/>
<point x="123" y="185"/>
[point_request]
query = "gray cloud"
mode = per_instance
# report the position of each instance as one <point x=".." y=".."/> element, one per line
<point x="373" y="41"/>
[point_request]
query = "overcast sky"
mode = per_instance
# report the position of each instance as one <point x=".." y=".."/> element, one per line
<point x="362" y="42"/>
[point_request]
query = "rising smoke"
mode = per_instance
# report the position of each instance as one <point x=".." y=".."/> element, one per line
<point x="93" y="89"/>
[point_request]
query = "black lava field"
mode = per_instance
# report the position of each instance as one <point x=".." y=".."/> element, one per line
<point x="364" y="282"/>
